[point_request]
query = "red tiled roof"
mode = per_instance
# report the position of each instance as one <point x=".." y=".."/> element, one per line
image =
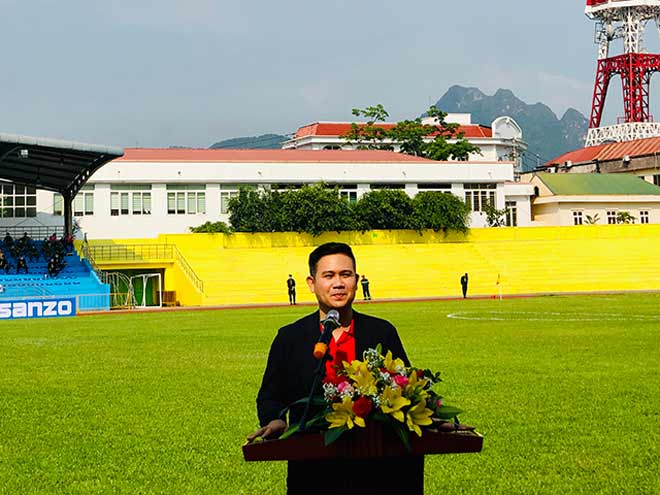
<point x="610" y="151"/>
<point x="339" y="128"/>
<point x="251" y="156"/>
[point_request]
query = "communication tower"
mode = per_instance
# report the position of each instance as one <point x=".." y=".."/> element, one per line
<point x="625" y="20"/>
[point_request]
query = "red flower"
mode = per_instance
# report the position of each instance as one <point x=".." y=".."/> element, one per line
<point x="362" y="407"/>
<point x="420" y="374"/>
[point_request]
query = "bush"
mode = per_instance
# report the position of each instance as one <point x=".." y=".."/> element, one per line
<point x="440" y="211"/>
<point x="211" y="228"/>
<point x="384" y="209"/>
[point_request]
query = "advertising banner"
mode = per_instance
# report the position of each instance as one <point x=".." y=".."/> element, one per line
<point x="37" y="308"/>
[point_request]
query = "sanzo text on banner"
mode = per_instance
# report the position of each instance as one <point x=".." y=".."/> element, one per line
<point x="36" y="309"/>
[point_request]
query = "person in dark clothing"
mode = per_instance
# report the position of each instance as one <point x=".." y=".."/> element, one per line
<point x="33" y="253"/>
<point x="8" y="240"/>
<point x="464" y="284"/>
<point x="4" y="264"/>
<point x="291" y="286"/>
<point x="21" y="264"/>
<point x="289" y="373"/>
<point x="364" y="282"/>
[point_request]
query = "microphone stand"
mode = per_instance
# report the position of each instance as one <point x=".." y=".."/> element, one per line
<point x="329" y="325"/>
<point x="319" y="374"/>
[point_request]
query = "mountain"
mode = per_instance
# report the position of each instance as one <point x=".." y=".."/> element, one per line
<point x="265" y="141"/>
<point x="546" y="135"/>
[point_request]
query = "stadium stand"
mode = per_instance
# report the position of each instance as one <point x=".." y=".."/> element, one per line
<point x="74" y="278"/>
<point x="252" y="268"/>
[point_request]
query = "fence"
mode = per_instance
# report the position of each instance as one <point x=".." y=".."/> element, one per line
<point x="36" y="232"/>
<point x="100" y="253"/>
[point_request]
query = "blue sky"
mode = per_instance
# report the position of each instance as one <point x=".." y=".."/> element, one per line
<point x="173" y="72"/>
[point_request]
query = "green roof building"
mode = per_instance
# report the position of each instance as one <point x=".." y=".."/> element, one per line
<point x="577" y="199"/>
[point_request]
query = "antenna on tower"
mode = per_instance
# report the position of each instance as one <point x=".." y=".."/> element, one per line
<point x="616" y="19"/>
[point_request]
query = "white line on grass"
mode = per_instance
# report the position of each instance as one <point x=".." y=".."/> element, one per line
<point x="546" y="316"/>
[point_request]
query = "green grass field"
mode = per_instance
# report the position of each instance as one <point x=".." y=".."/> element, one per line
<point x="566" y="391"/>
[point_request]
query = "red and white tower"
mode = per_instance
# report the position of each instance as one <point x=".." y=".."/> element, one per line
<point x="626" y="20"/>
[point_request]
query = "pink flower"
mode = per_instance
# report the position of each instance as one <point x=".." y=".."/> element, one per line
<point x="401" y="380"/>
<point x="342" y="386"/>
<point x="438" y="403"/>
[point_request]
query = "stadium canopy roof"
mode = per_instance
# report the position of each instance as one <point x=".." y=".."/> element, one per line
<point x="60" y="166"/>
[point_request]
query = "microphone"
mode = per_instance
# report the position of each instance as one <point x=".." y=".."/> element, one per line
<point x="329" y="324"/>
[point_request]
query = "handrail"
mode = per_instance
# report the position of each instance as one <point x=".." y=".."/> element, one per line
<point x="143" y="252"/>
<point x="36" y="232"/>
<point x="188" y="270"/>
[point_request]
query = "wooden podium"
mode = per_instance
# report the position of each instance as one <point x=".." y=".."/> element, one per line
<point x="361" y="445"/>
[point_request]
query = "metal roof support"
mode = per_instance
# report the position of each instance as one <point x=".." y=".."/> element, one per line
<point x="68" y="212"/>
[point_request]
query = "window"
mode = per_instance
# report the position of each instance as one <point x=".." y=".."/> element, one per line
<point x="656" y="180"/>
<point x="511" y="214"/>
<point x="17" y="201"/>
<point x="644" y="216"/>
<point x="434" y="187"/>
<point x="611" y="217"/>
<point x="477" y="196"/>
<point x="83" y="203"/>
<point x="577" y="218"/>
<point x="186" y="199"/>
<point x="227" y="191"/>
<point x="130" y="199"/>
<point x="348" y="191"/>
<point x="285" y="187"/>
<point x="387" y="186"/>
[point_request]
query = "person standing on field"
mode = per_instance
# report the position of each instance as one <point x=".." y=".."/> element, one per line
<point x="291" y="286"/>
<point x="364" y="282"/>
<point x="464" y="284"/>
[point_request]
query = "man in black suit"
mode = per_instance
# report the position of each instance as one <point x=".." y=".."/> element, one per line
<point x="291" y="288"/>
<point x="290" y="369"/>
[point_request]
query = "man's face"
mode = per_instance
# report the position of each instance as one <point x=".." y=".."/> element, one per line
<point x="334" y="283"/>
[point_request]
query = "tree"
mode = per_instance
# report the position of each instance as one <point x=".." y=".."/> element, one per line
<point x="440" y="211"/>
<point x="494" y="217"/>
<point x="312" y="209"/>
<point x="411" y="135"/>
<point x="369" y="136"/>
<point x="247" y="211"/>
<point x="316" y="209"/>
<point x="384" y="209"/>
<point x="592" y="220"/>
<point x="624" y="217"/>
<point x="211" y="228"/>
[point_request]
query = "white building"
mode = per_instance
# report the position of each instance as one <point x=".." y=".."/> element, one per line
<point x="152" y="191"/>
<point x="578" y="199"/>
<point x="502" y="141"/>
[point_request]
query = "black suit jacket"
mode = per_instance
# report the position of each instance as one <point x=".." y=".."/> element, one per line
<point x="290" y="368"/>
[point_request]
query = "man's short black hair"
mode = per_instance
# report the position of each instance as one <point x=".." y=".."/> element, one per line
<point x="327" y="249"/>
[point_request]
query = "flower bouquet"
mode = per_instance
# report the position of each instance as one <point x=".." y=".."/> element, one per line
<point x="379" y="388"/>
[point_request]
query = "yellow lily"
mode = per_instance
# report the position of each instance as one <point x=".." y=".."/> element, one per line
<point x="415" y="383"/>
<point x="343" y="415"/>
<point x="418" y="415"/>
<point x="364" y="380"/>
<point x="390" y="364"/>
<point x="392" y="402"/>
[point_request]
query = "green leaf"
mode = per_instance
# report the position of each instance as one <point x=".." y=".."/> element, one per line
<point x="291" y="431"/>
<point x="403" y="434"/>
<point x="333" y="434"/>
<point x="448" y="412"/>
